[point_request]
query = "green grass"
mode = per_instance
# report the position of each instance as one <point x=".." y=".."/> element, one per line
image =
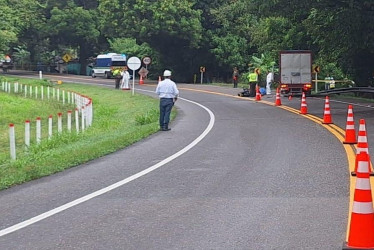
<point x="120" y="120"/>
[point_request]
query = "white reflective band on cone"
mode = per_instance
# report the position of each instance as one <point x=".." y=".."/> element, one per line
<point x="327" y="112"/>
<point x="349" y="119"/>
<point x="350" y="111"/>
<point x="363" y="184"/>
<point x="362" y="207"/>
<point x="350" y="127"/>
<point x="359" y="150"/>
<point x="363" y="167"/>
<point x="362" y="139"/>
<point x="362" y="127"/>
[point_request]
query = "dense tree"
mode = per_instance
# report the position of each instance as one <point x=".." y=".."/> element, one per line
<point x="16" y="18"/>
<point x="230" y="39"/>
<point x="171" y="27"/>
<point x="76" y="27"/>
<point x="184" y="35"/>
<point x="344" y="33"/>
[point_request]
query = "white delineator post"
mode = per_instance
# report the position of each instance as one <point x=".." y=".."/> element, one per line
<point x="89" y="112"/>
<point x="59" y="123"/>
<point x="27" y="133"/>
<point x="83" y="113"/>
<point x="77" y="120"/>
<point x="38" y="130"/>
<point x="72" y="97"/>
<point x="12" y="141"/>
<point x="42" y="92"/>
<point x="69" y="121"/>
<point x="48" y="92"/>
<point x="50" y="120"/>
<point x="63" y="97"/>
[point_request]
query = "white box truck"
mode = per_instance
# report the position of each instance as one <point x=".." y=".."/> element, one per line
<point x="295" y="68"/>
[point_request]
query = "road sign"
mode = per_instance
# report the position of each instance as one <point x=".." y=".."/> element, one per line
<point x="66" y="58"/>
<point x="143" y="72"/>
<point x="147" y="60"/>
<point x="134" y="63"/>
<point x="316" y="69"/>
<point x="202" y="69"/>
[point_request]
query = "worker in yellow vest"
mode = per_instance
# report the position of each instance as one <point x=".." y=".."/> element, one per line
<point x="253" y="79"/>
<point x="117" y="76"/>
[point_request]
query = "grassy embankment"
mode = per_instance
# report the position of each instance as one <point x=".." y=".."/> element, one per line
<point x="120" y="119"/>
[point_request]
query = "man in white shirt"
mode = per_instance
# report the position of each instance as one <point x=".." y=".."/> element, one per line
<point x="168" y="92"/>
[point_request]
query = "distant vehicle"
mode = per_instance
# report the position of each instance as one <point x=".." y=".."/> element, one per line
<point x="295" y="68"/>
<point x="105" y="63"/>
<point x="6" y="64"/>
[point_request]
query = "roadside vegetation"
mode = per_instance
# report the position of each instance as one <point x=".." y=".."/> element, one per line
<point x="119" y="120"/>
<point x="187" y="34"/>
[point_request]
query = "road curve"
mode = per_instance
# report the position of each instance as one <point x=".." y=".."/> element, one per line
<point x="262" y="178"/>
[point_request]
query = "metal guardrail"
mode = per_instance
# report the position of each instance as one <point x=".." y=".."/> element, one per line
<point x="346" y="90"/>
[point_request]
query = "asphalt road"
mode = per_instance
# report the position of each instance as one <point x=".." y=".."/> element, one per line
<point x="231" y="174"/>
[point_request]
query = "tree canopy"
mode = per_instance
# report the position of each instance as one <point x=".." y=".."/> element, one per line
<point x="185" y="34"/>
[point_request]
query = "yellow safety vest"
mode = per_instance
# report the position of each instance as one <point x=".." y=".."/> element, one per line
<point x="252" y="77"/>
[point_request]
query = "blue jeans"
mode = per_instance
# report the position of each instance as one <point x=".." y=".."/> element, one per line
<point x="166" y="104"/>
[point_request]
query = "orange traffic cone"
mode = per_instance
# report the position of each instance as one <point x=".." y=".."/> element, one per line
<point x="361" y="230"/>
<point x="277" y="98"/>
<point x="362" y="141"/>
<point x="141" y="81"/>
<point x="303" y="108"/>
<point x="327" y="114"/>
<point x="362" y="145"/>
<point x="350" y="132"/>
<point x="258" y="94"/>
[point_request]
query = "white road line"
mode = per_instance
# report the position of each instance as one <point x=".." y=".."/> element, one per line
<point x="369" y="105"/>
<point x="117" y="184"/>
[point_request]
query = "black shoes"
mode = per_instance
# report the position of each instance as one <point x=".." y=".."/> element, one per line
<point x="165" y="128"/>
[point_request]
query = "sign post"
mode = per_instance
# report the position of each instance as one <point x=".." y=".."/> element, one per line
<point x="133" y="63"/>
<point x="202" y="70"/>
<point x="316" y="77"/>
<point x="316" y="70"/>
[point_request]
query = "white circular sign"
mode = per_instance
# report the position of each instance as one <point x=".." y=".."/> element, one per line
<point x="147" y="60"/>
<point x="134" y="63"/>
